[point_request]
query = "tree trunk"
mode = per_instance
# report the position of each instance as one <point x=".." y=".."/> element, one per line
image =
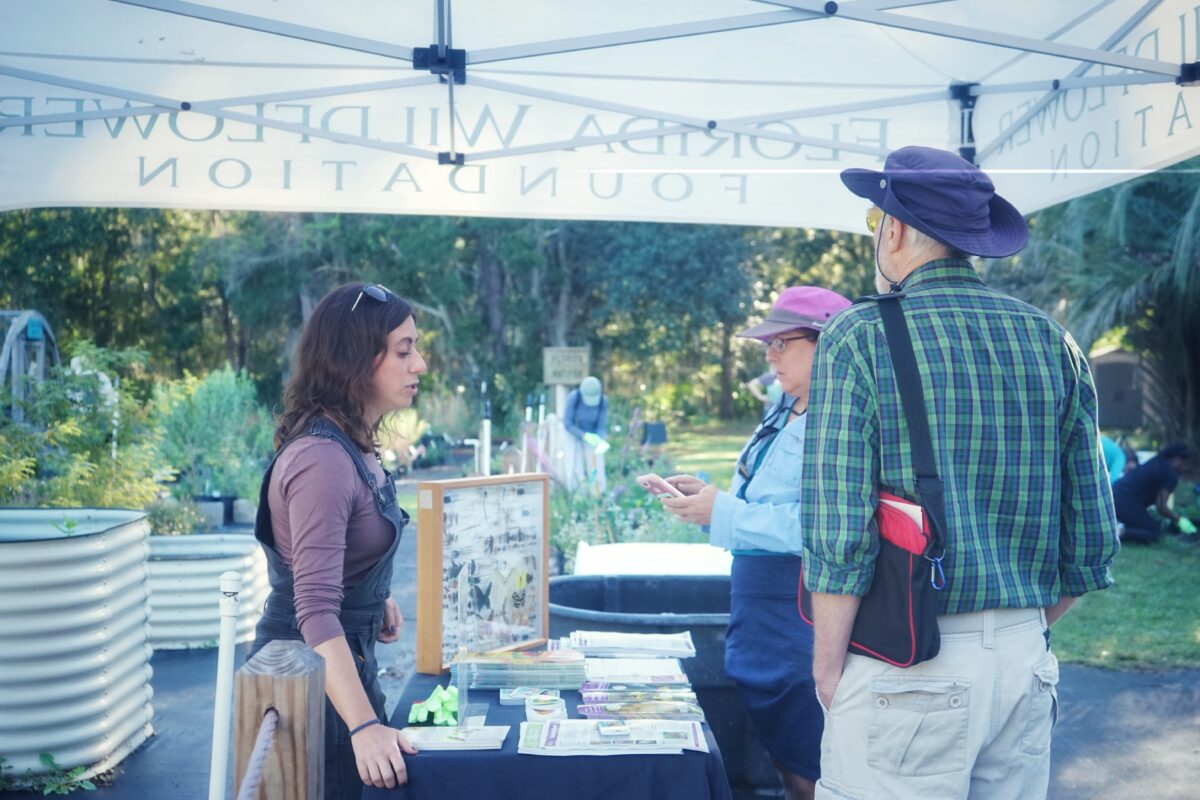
<point x="490" y="280"/>
<point x="227" y="326"/>
<point x="561" y="324"/>
<point x="725" y="404"/>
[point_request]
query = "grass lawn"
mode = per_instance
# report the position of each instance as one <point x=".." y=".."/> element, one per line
<point x="1149" y="619"/>
<point x="711" y="448"/>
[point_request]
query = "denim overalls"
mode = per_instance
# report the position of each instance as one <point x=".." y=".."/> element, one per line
<point x="361" y="614"/>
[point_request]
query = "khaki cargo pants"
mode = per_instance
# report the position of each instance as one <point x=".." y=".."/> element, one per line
<point x="973" y="722"/>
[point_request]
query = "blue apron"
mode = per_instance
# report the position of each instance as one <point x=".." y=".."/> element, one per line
<point x="361" y="613"/>
<point x="768" y="647"/>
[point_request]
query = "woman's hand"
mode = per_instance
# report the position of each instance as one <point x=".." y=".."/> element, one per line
<point x="393" y="621"/>
<point x="696" y="508"/>
<point x="377" y="753"/>
<point x="688" y="484"/>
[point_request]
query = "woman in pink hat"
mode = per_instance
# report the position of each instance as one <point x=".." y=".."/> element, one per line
<point x="768" y="648"/>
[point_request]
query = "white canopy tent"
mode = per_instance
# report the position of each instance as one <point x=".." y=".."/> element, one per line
<point x="721" y="111"/>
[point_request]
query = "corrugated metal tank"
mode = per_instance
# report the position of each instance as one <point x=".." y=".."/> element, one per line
<point x="185" y="574"/>
<point x="74" y="657"/>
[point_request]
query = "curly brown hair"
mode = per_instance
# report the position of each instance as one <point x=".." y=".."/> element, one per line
<point x="334" y="362"/>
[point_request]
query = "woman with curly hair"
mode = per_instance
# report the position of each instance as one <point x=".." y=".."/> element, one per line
<point x="329" y="523"/>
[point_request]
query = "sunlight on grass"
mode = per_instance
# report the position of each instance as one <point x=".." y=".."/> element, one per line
<point x="712" y="449"/>
<point x="1149" y="619"/>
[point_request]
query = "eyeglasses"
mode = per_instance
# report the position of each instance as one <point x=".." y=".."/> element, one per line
<point x="779" y="344"/>
<point x="375" y="291"/>
<point x="874" y="217"/>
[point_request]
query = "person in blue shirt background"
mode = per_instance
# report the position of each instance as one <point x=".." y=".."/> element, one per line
<point x="586" y="419"/>
<point x="768" y="648"/>
<point x="1148" y="485"/>
<point x="1114" y="459"/>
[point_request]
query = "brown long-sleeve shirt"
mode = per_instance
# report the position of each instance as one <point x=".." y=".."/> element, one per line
<point x="327" y="528"/>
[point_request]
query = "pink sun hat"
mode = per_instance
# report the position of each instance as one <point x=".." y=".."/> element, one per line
<point x="798" y="307"/>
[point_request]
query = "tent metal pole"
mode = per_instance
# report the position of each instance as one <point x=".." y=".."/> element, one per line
<point x="96" y="88"/>
<point x="996" y="38"/>
<point x="811" y="141"/>
<point x="439" y="19"/>
<point x="1111" y="41"/>
<point x="675" y="130"/>
<point x="662" y="32"/>
<point x="580" y="141"/>
<point x="846" y="108"/>
<point x="83" y="116"/>
<point x="1052" y="36"/>
<point x="454" y="159"/>
<point x="1127" y="79"/>
<point x="333" y="136"/>
<point x="586" y="102"/>
<point x="264" y="25"/>
<point x="172" y="106"/>
<point x="112" y="113"/>
<point x="323" y="91"/>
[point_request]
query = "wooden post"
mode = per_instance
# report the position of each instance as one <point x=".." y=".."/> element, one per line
<point x="289" y="677"/>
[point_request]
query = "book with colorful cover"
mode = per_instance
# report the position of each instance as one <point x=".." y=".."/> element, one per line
<point x="647" y="709"/>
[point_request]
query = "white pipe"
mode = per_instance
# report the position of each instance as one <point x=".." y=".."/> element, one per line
<point x="485" y="447"/>
<point x="231" y="584"/>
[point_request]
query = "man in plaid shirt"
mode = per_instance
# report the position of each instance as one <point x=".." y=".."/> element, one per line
<point x="1030" y="523"/>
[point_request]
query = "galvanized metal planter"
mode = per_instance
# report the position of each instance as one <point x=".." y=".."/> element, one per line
<point x="184" y="575"/>
<point x="74" y="658"/>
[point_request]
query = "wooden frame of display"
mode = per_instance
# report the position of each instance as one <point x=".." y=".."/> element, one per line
<point x="434" y="590"/>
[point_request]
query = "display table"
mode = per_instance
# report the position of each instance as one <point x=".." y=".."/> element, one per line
<point x="504" y="774"/>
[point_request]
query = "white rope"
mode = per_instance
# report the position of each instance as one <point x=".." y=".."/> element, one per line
<point x="253" y="776"/>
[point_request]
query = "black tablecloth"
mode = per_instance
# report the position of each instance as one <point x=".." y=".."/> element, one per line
<point x="505" y="773"/>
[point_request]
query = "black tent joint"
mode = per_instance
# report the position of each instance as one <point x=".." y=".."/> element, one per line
<point x="185" y="106"/>
<point x="1189" y="74"/>
<point x="444" y="159"/>
<point x="966" y="104"/>
<point x="454" y="63"/>
<point x="831" y="8"/>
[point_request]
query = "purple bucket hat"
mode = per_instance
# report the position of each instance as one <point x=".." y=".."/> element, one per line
<point x="798" y="307"/>
<point x="943" y="196"/>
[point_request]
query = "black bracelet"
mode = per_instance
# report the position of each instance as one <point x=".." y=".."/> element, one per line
<point x="366" y="724"/>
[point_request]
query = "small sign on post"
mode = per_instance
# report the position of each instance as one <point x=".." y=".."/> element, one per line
<point x="565" y="366"/>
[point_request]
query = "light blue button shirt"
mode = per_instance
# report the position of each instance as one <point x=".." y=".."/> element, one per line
<point x="767" y="522"/>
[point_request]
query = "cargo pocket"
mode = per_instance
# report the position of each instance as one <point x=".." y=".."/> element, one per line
<point x="1041" y="707"/>
<point x="918" y="725"/>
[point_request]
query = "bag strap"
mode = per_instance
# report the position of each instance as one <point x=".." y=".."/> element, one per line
<point x="930" y="489"/>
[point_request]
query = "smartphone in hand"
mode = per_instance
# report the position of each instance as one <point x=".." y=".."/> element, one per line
<point x="657" y="486"/>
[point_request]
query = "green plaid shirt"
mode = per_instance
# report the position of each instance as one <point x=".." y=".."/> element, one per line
<point x="1012" y="414"/>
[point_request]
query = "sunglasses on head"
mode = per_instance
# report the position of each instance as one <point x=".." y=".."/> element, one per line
<point x="375" y="291"/>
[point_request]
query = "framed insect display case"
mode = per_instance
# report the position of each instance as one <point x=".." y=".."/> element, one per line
<point x="482" y="547"/>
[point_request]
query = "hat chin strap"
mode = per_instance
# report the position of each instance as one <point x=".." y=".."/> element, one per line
<point x="892" y="285"/>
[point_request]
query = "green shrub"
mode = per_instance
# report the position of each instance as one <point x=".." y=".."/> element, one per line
<point x="214" y="433"/>
<point x="85" y="440"/>
<point x="169" y="516"/>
